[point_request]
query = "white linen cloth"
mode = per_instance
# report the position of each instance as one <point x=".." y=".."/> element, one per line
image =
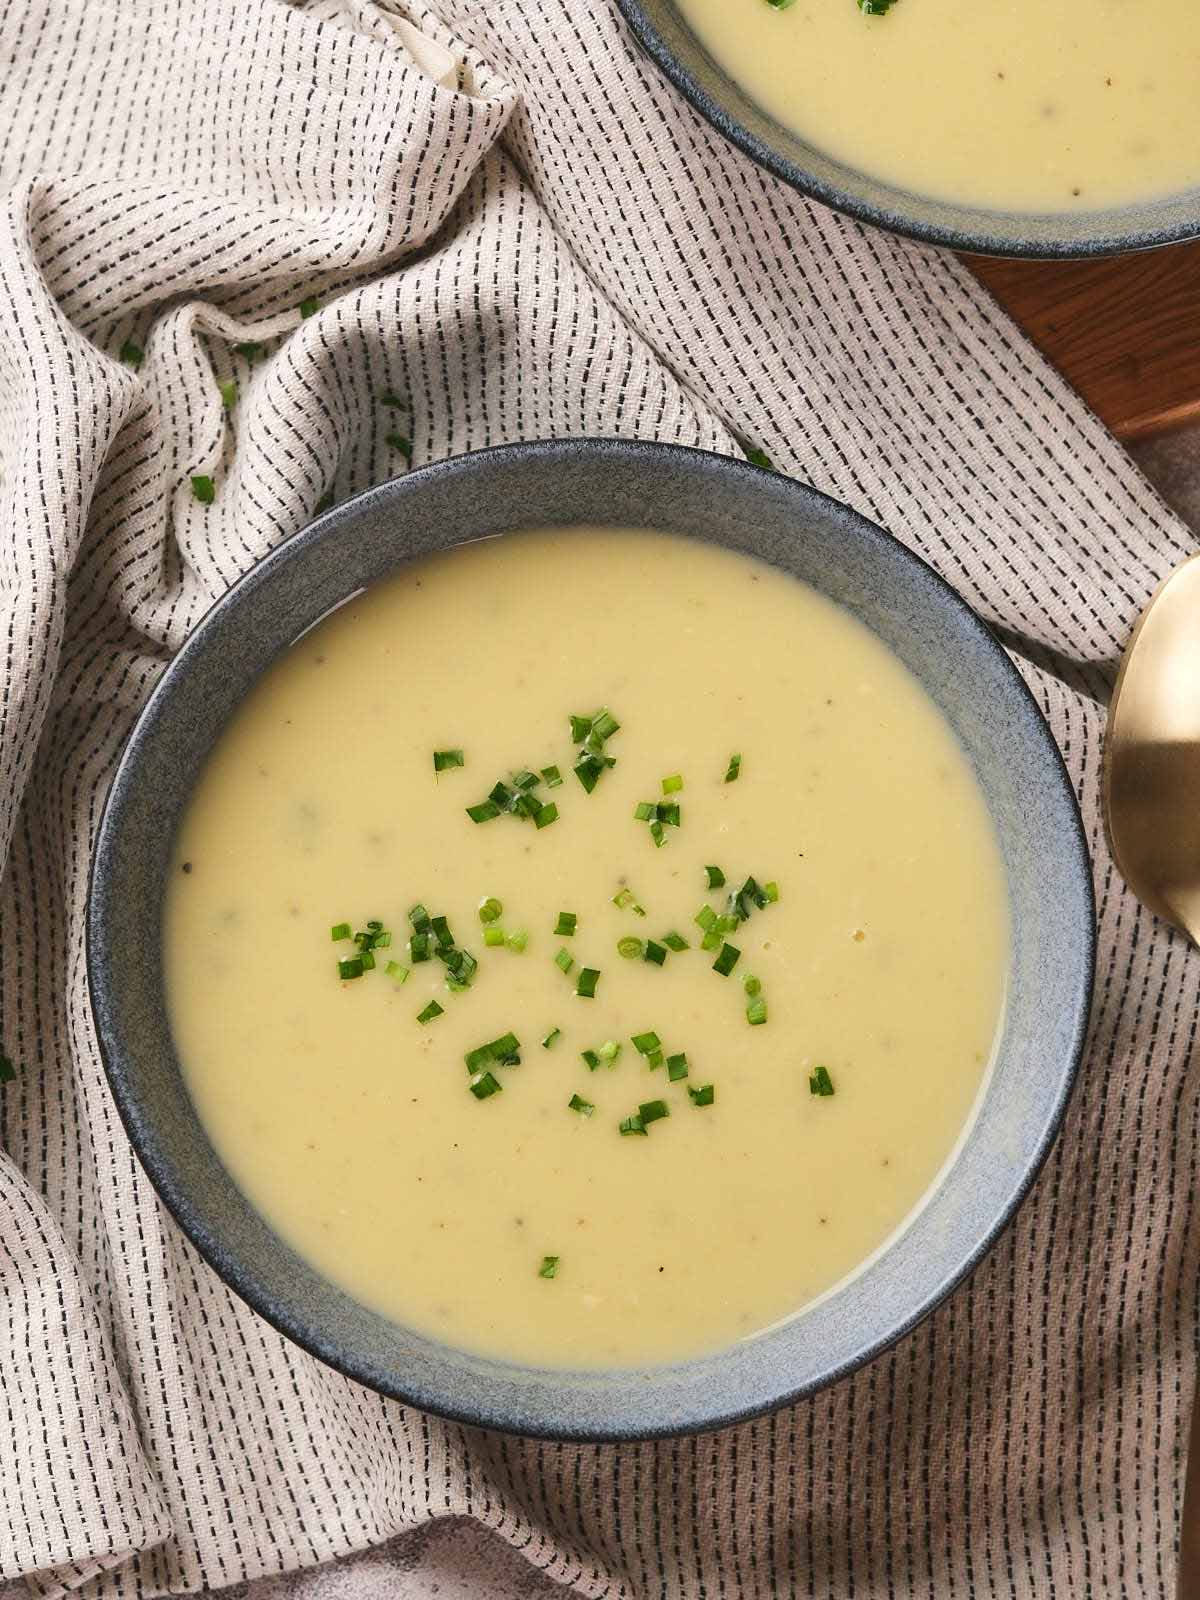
<point x="553" y="244"/>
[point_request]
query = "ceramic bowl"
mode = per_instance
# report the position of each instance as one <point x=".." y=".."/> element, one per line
<point x="666" y="38"/>
<point x="744" y="508"/>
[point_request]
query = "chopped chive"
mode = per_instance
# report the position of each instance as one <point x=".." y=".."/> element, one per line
<point x="673" y="784"/>
<point x="368" y="961"/>
<point x="310" y="306"/>
<point x="551" y="1038"/>
<point x="493" y="936"/>
<point x="477" y="1058"/>
<point x="725" y="923"/>
<point x="548" y="1267"/>
<point x="352" y="968"/>
<point x="604" y="724"/>
<point x="441" y="929"/>
<point x="419" y="918"/>
<point x="675" y="941"/>
<point x="552" y="776"/>
<point x="653" y="1111"/>
<point x="7" y="1071"/>
<point x="771" y="890"/>
<point x="580" y="728"/>
<point x="727" y="960"/>
<point x="707" y="918"/>
<point x="396" y="972"/>
<point x="757" y="457"/>
<point x="564" y="961"/>
<point x="506" y="1051"/>
<point x="585" y="986"/>
<point x="819" y="1081"/>
<point x="427" y="1013"/>
<point x="229" y="393"/>
<point x="203" y="489"/>
<point x="483" y="1084"/>
<point x="752" y="986"/>
<point x="578" y="1103"/>
<point x="517" y="940"/>
<point x="609" y="1051"/>
<point x="566" y="924"/>
<point x="677" y="1067"/>
<point x="592" y="1059"/>
<point x="644" y="811"/>
<point x="632" y="949"/>
<point x="490" y="909"/>
<point x="248" y="348"/>
<point x="393" y="400"/>
<point x="631" y="1125"/>
<point x="756" y="1011"/>
<point x="398" y="442"/>
<point x="624" y="900"/>
<point x="501" y="795"/>
<point x="716" y="878"/>
<point x="588" y="770"/>
<point x="646" y="1043"/>
<point x="525" y="779"/>
<point x="655" y="952"/>
<point x="654" y="1060"/>
<point x="545" y="815"/>
<point x="668" y="813"/>
<point x="443" y="760"/>
<point x="418" y="948"/>
<point x="733" y="771"/>
<point x="711" y="940"/>
<point x="382" y="941"/>
<point x="484" y="811"/>
<point x="132" y="354"/>
<point x="703" y="1096"/>
<point x="340" y="930"/>
<point x="658" y="834"/>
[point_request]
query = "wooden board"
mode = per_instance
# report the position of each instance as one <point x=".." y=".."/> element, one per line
<point x="1125" y="331"/>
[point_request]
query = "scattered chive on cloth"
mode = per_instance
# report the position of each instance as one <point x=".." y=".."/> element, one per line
<point x="502" y="219"/>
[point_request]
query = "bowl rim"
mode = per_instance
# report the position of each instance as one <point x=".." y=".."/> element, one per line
<point x="152" y="1150"/>
<point x="972" y="234"/>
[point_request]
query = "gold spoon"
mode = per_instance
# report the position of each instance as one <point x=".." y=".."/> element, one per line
<point x="1152" y="817"/>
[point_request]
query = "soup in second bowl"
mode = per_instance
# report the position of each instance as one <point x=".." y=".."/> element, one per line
<point x="586" y="947"/>
<point x="1021" y="105"/>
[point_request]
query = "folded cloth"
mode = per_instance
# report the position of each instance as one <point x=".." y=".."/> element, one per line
<point x="503" y="217"/>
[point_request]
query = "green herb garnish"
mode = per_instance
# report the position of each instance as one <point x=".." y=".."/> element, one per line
<point x="132" y="354"/>
<point x="7" y="1071"/>
<point x="869" y="8"/>
<point x="549" y="1267"/>
<point x="229" y="393"/>
<point x="443" y="760"/>
<point x="757" y="457"/>
<point x="429" y="1012"/>
<point x="503" y="1052"/>
<point x="672" y="784"/>
<point x="578" y="1103"/>
<point x="675" y="941"/>
<point x="310" y="306"/>
<point x="565" y="926"/>
<point x="677" y="1067"/>
<point x="351" y="968"/>
<point x="624" y="899"/>
<point x="733" y="771"/>
<point x="631" y="1125"/>
<point x="819" y="1081"/>
<point x="727" y="960"/>
<point x="249" y="349"/>
<point x="552" y="776"/>
<point x="655" y="952"/>
<point x="703" y="1096"/>
<point x="756" y="1011"/>
<point x="490" y="910"/>
<point x="339" y="931"/>
<point x="646" y="1043"/>
<point x="591" y="733"/>
<point x="564" y="961"/>
<point x="585" y="986"/>
<point x="551" y="1038"/>
<point x="396" y="972"/>
<point x="630" y="948"/>
<point x="517" y="940"/>
<point x="203" y="488"/>
<point x="484" y="1084"/>
<point x="653" y="1111"/>
<point x="716" y="878"/>
<point x="493" y="936"/>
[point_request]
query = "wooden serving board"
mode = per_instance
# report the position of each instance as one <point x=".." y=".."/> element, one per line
<point x="1124" y="331"/>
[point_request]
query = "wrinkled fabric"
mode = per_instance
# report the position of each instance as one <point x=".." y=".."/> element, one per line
<point x="509" y="221"/>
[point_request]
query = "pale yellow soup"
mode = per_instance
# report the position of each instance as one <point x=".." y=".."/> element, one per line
<point x="354" y="1129"/>
<point x="1023" y="105"/>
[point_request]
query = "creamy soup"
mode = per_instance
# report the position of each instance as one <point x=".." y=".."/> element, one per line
<point x="1026" y="105"/>
<point x="728" y="1094"/>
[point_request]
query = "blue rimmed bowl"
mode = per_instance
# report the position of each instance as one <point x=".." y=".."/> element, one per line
<point x="666" y="38"/>
<point x="743" y="508"/>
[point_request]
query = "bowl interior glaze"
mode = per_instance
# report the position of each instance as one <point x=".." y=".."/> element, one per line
<point x="666" y="38"/>
<point x="741" y="507"/>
